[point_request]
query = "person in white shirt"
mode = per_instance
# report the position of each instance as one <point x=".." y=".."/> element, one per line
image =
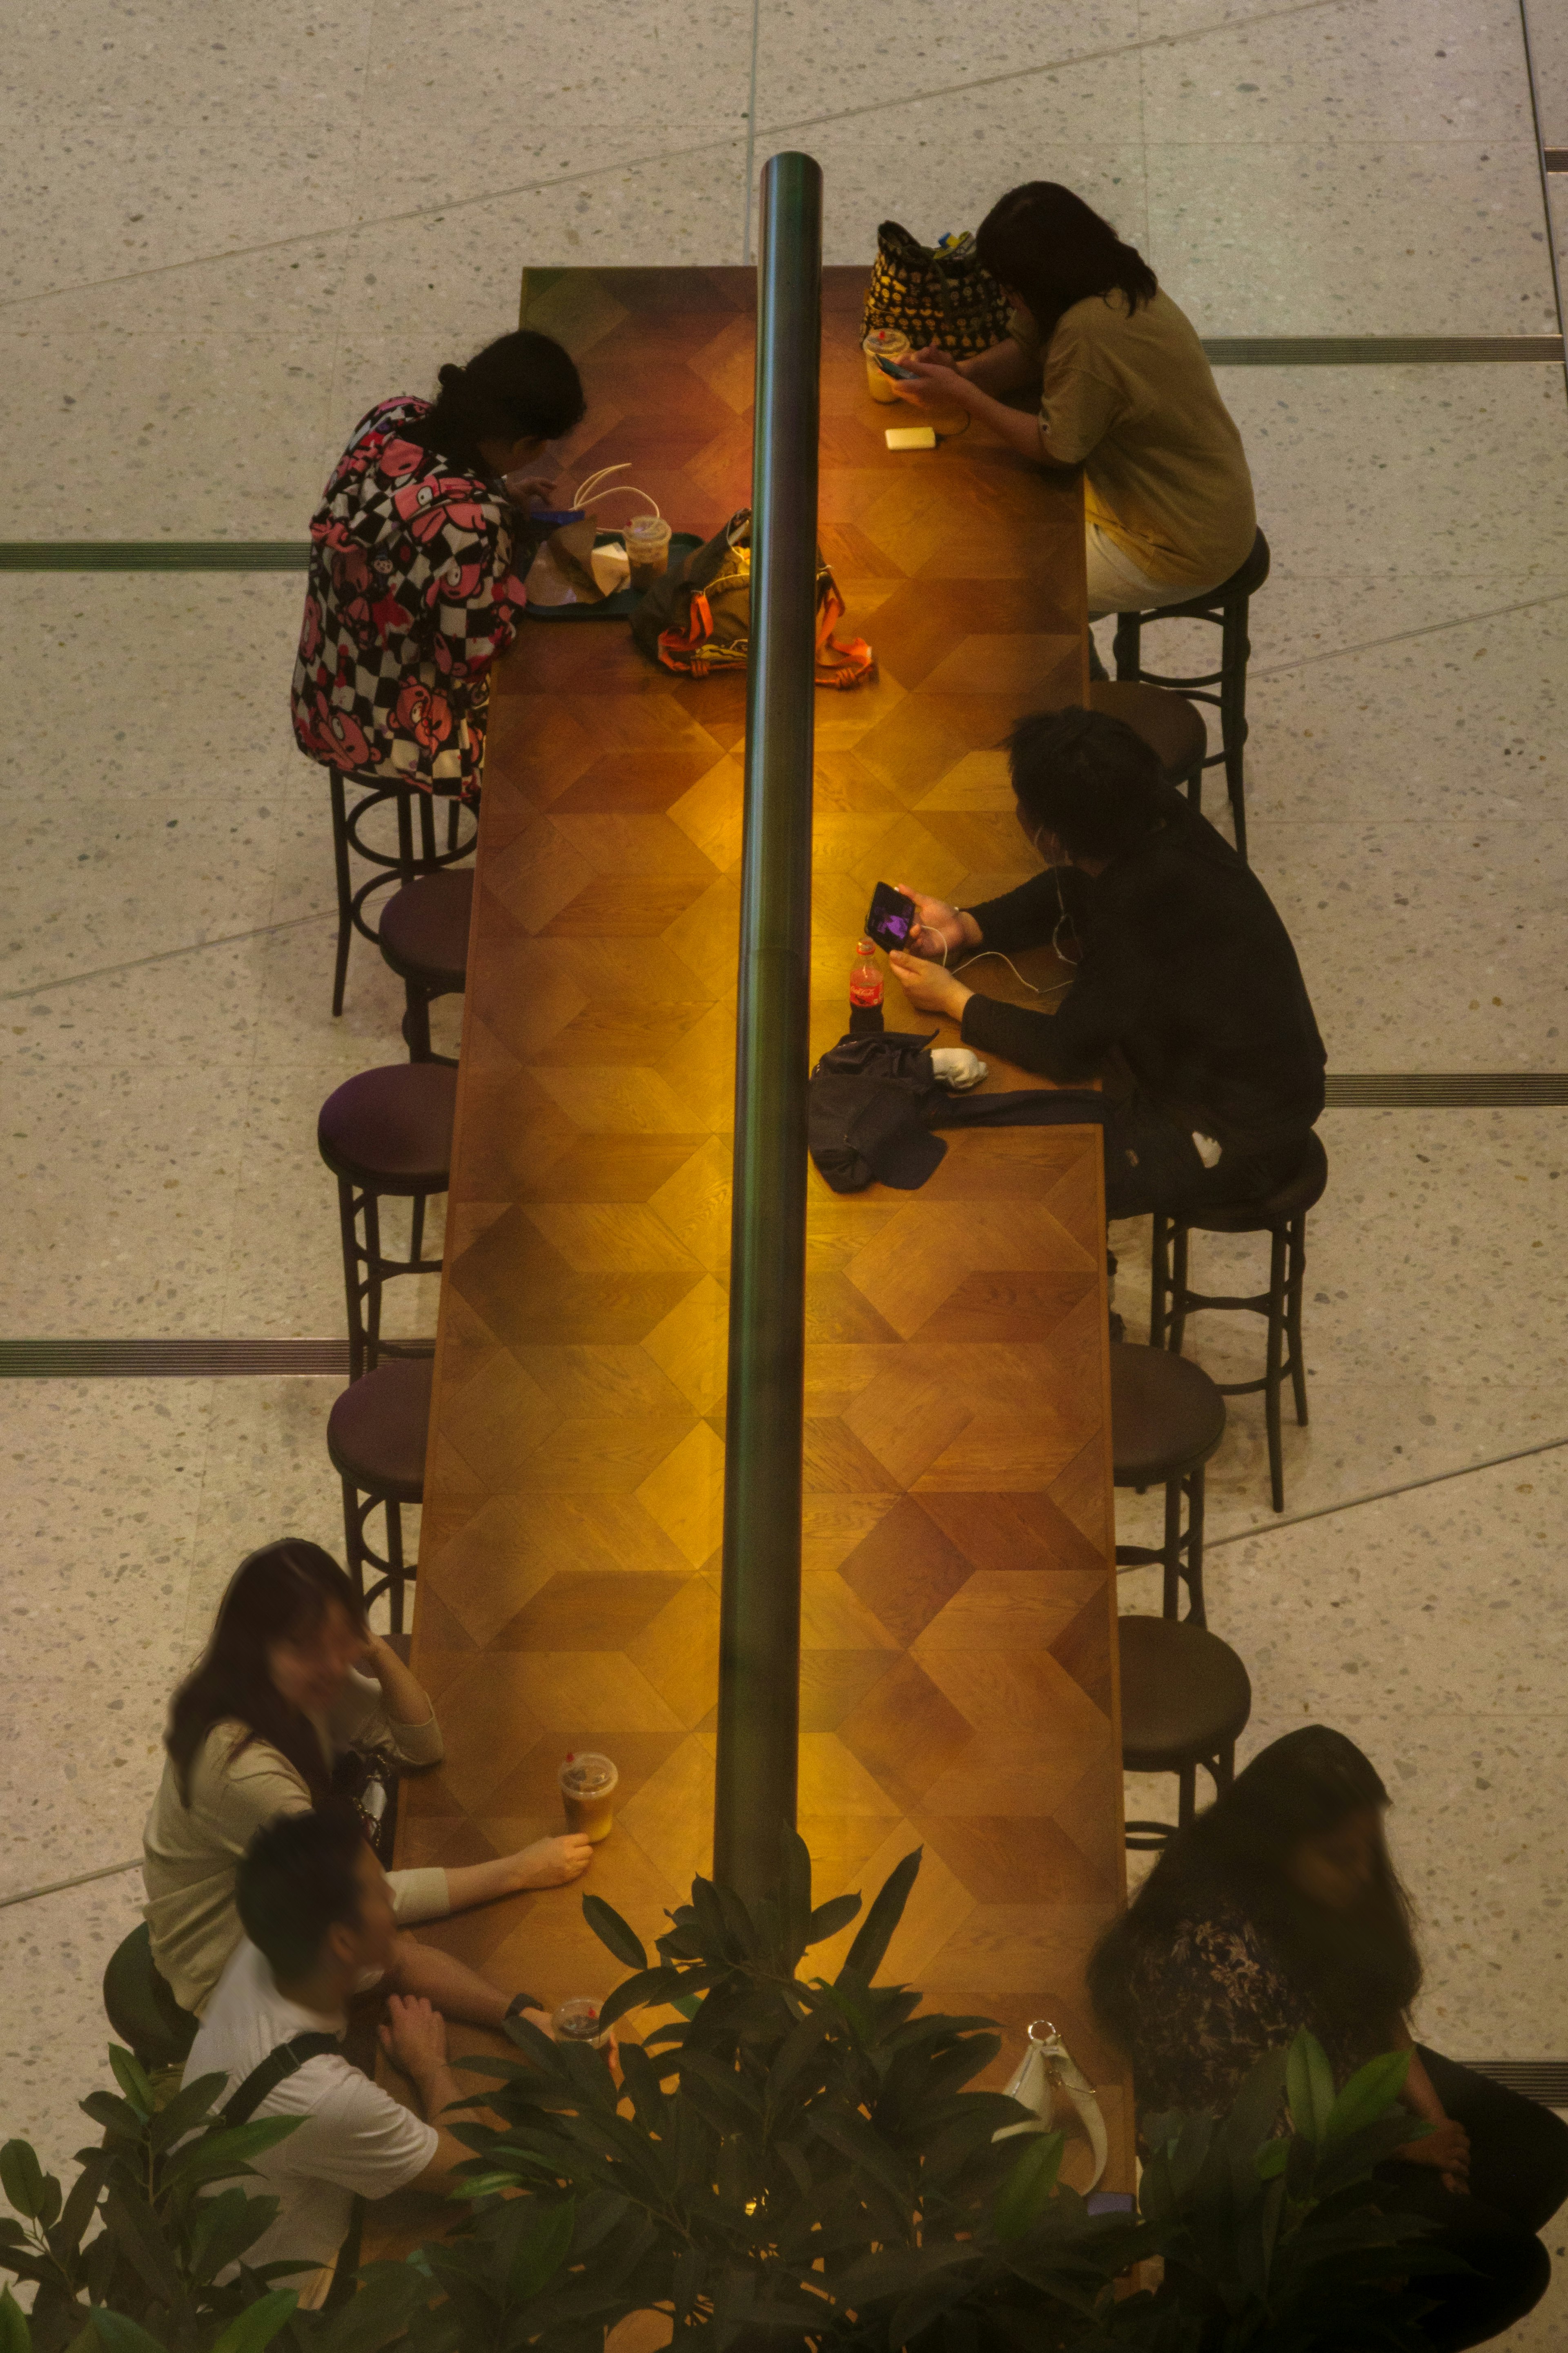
<point x="319" y="1928"/>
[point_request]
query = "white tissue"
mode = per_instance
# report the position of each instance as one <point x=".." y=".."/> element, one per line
<point x="959" y="1067"/>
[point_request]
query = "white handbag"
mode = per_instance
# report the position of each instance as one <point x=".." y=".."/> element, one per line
<point x="1048" y="2070"/>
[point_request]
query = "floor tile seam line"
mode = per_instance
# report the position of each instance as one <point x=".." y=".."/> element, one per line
<point x="1402" y="636"/>
<point x="164" y="955"/>
<point x="1532" y="85"/>
<point x="1063" y="65"/>
<point x="751" y="164"/>
<point x="57" y="1887"/>
<point x="378" y="220"/>
<point x="1382" y="1494"/>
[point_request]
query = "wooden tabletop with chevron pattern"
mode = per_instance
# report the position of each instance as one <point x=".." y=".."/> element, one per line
<point x="959" y="1606"/>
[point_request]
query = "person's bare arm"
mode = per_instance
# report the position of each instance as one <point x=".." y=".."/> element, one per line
<point x="1447" y="2146"/>
<point x="414" y="2038"/>
<point x="405" y="1699"/>
<point x="1006" y="367"/>
<point x="424" y="1973"/>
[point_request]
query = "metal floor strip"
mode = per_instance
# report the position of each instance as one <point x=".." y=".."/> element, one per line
<point x="64" y="1360"/>
<point x="1445" y="1090"/>
<point x="1545" y="2079"/>
<point x="1379" y="351"/>
<point x="155" y="554"/>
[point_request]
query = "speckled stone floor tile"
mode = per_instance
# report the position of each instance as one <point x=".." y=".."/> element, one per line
<point x="1548" y="31"/>
<point x="156" y="138"/>
<point x="807" y="70"/>
<point x="55" y="2038"/>
<point x="1465" y="722"/>
<point x="266" y="1475"/>
<point x="1438" y="237"/>
<point x="1433" y="1301"/>
<point x="1334" y="75"/>
<point x="1430" y="470"/>
<point x="939" y="163"/>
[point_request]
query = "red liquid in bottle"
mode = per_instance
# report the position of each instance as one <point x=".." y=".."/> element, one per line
<point x="866" y="976"/>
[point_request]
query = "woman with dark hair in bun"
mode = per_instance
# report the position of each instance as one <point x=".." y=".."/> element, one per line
<point x="414" y="587"/>
<point x="1124" y="390"/>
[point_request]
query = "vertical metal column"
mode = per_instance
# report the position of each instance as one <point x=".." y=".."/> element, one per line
<point x="759" y="1643"/>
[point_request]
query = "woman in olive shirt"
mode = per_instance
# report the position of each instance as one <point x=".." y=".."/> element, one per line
<point x="1125" y="392"/>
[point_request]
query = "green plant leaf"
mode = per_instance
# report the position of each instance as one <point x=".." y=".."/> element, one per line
<point x="135" y="2230"/>
<point x="189" y="2108"/>
<point x="15" y="2337"/>
<point x="225" y="2227"/>
<point x="612" y="1930"/>
<point x="541" y="2249"/>
<point x="131" y="2078"/>
<point x="1272" y="2158"/>
<point x="829" y="1917"/>
<point x="115" y="2115"/>
<point x="220" y="2156"/>
<point x="1369" y="2095"/>
<point x="259" y="2324"/>
<point x="382" y="2303"/>
<point x="1309" y="2086"/>
<point x="866" y="1954"/>
<point x="1027" y="2192"/>
<point x="121" y="2334"/>
<point x="24" y="2179"/>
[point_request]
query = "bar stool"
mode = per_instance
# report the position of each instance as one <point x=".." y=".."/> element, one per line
<point x="1282" y="1216"/>
<point x="1171" y="727"/>
<point x="1166" y="1419"/>
<point x="140" y="2004"/>
<point x="387" y="1132"/>
<point x="1226" y="608"/>
<point x="376" y="1436"/>
<point x="424" y="939"/>
<point x="1185" y="1700"/>
<point x="347" y="834"/>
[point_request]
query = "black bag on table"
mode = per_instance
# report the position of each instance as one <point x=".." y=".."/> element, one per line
<point x="934" y="297"/>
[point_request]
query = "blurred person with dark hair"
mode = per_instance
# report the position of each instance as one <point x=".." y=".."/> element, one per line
<point x="1125" y="390"/>
<point x="292" y="1678"/>
<point x="318" y="1925"/>
<point x="1187" y="997"/>
<point x="415" y="588"/>
<point x="1279" y="1908"/>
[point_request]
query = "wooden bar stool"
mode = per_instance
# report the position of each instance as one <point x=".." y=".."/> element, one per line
<point x="1282" y="1216"/>
<point x="1226" y="607"/>
<point x="376" y="1436"/>
<point x="348" y="835"/>
<point x="387" y="1132"/>
<point x="424" y="939"/>
<point x="1171" y="727"/>
<point x="1185" y="1700"/>
<point x="1166" y="1419"/>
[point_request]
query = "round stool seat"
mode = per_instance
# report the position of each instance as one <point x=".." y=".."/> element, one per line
<point x="141" y="2004"/>
<point x="391" y="1128"/>
<point x="378" y="1430"/>
<point x="1246" y="577"/>
<point x="1171" y="726"/>
<point x="1301" y="1192"/>
<point x="1184" y="1694"/>
<point x="425" y="927"/>
<point x="1167" y="1416"/>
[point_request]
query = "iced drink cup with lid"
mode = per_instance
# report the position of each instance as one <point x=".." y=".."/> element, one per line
<point x="884" y="343"/>
<point x="588" y="1783"/>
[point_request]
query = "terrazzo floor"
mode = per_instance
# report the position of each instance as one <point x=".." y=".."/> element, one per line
<point x="228" y="234"/>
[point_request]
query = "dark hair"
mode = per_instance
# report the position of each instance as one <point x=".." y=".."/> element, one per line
<point x="1358" y="1969"/>
<point x="280" y="1594"/>
<point x="1088" y="779"/>
<point x="521" y="385"/>
<point x="1047" y="246"/>
<point x="296" y="1880"/>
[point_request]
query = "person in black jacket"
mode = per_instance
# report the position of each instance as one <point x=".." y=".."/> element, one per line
<point x="1188" y="999"/>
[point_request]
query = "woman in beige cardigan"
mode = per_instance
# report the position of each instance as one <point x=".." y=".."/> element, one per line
<point x="292" y="1678"/>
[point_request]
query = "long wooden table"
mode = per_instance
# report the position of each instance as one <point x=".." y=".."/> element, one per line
<point x="958" y="1672"/>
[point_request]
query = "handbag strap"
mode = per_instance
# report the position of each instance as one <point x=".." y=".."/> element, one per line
<point x="286" y="2060"/>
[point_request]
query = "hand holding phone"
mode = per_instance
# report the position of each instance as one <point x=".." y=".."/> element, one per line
<point x="899" y="374"/>
<point x="890" y="916"/>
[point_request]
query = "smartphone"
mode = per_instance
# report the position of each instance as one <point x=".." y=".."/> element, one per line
<point x="891" y="917"/>
<point x="891" y="367"/>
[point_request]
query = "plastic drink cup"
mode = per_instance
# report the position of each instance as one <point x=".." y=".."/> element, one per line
<point x="887" y="344"/>
<point x="588" y="1783"/>
<point x="647" y="549"/>
<point x="578" y="2022"/>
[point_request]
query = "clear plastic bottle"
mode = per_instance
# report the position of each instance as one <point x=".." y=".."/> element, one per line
<point x="866" y="976"/>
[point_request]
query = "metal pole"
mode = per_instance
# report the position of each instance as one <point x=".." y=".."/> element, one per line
<point x="759" y="1641"/>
